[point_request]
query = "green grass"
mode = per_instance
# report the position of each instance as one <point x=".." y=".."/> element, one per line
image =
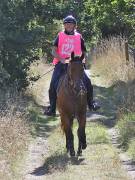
<point x="126" y="127"/>
<point x="96" y="133"/>
<point x="131" y="149"/>
<point x="99" y="161"/>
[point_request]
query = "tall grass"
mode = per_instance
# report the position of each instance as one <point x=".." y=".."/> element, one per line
<point x="109" y="61"/>
<point x="113" y="69"/>
<point x="14" y="130"/>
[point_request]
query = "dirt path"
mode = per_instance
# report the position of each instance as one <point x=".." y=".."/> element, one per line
<point x="47" y="159"/>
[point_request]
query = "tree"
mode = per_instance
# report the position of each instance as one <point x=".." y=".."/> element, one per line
<point x="114" y="17"/>
<point x="24" y="34"/>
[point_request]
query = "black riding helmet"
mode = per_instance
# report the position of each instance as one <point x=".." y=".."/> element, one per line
<point x="69" y="19"/>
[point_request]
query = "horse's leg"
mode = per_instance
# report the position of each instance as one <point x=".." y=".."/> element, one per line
<point x="70" y="141"/>
<point x="81" y="134"/>
<point x="79" y="152"/>
<point x="67" y="127"/>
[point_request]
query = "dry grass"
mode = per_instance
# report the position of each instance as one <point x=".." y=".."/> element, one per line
<point x="129" y="100"/>
<point x="37" y="89"/>
<point x="99" y="161"/>
<point x="110" y="64"/>
<point x="109" y="61"/>
<point x="14" y="131"/>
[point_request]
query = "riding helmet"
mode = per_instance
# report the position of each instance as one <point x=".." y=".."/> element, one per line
<point x="69" y="19"/>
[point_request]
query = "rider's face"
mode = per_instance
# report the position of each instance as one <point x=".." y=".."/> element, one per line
<point x="69" y="27"/>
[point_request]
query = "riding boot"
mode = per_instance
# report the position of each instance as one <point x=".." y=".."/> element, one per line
<point x="51" y="110"/>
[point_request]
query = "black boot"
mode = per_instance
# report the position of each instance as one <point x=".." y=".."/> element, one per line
<point x="93" y="106"/>
<point x="49" y="112"/>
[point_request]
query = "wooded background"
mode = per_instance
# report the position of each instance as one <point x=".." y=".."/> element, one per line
<point x="28" y="28"/>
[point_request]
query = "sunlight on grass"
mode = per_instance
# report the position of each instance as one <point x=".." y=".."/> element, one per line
<point x="96" y="134"/>
<point x="99" y="161"/>
<point x="126" y="127"/>
<point x="109" y="62"/>
<point x="39" y="88"/>
<point x="131" y="149"/>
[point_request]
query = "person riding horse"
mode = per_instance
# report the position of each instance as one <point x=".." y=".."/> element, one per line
<point x="66" y="42"/>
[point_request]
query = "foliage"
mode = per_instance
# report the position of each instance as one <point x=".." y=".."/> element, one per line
<point x="29" y="26"/>
<point x="24" y="28"/>
<point x="113" y="17"/>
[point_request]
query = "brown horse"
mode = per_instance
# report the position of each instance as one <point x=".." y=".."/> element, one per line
<point x="72" y="102"/>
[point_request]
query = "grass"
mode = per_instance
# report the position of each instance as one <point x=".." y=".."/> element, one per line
<point x="109" y="62"/>
<point x="131" y="149"/>
<point x="96" y="134"/>
<point x="126" y="127"/>
<point x="111" y="69"/>
<point x="38" y="89"/>
<point x="14" y="131"/>
<point x="99" y="160"/>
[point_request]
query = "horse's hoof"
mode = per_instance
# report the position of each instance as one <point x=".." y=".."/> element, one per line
<point x="84" y="146"/>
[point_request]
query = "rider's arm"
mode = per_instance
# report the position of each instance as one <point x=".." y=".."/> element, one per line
<point x="54" y="52"/>
<point x="55" y="55"/>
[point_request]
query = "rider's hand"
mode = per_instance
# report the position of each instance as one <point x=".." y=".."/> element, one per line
<point x="62" y="61"/>
<point x="65" y="61"/>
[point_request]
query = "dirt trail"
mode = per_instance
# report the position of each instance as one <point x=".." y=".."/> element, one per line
<point x="47" y="160"/>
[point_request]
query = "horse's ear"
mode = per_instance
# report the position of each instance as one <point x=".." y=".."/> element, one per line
<point x="82" y="57"/>
<point x="72" y="55"/>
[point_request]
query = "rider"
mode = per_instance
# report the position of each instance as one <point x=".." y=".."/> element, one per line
<point x="66" y="42"/>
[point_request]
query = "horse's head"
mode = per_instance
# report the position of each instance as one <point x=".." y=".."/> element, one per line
<point x="75" y="67"/>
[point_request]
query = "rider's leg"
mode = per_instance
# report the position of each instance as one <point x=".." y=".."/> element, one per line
<point x="89" y="87"/>
<point x="57" y="73"/>
<point x="91" y="104"/>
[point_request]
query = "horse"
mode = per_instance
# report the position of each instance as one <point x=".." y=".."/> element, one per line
<point x="72" y="103"/>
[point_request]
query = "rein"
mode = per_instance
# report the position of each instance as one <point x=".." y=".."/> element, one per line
<point x="39" y="77"/>
<point x="45" y="73"/>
